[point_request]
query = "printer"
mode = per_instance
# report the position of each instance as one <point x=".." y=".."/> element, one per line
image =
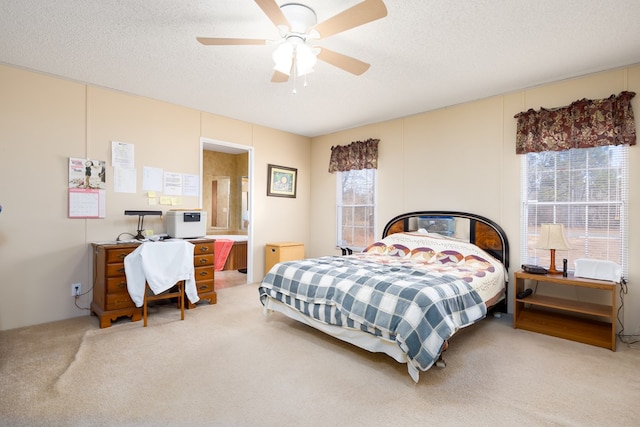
<point x="186" y="224"/>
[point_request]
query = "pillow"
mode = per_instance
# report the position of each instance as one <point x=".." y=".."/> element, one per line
<point x="381" y="248"/>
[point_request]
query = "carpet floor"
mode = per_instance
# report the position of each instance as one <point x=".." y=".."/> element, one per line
<point x="228" y="365"/>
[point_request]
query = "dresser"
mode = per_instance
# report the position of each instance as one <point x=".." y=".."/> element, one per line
<point x="110" y="296"/>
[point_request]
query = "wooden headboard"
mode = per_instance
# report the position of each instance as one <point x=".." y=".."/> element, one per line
<point x="476" y="229"/>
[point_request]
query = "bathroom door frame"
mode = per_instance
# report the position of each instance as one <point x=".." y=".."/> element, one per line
<point x="209" y="144"/>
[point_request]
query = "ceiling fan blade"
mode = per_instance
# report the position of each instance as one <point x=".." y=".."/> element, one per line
<point x="347" y="63"/>
<point x="279" y="77"/>
<point x="229" y="41"/>
<point x="273" y="12"/>
<point x="362" y="13"/>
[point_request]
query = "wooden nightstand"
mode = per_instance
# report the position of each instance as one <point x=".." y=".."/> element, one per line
<point x="281" y="252"/>
<point x="584" y="322"/>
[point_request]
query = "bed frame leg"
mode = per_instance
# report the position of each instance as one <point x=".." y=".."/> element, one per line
<point x="440" y="363"/>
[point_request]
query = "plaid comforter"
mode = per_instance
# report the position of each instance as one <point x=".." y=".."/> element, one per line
<point x="420" y="310"/>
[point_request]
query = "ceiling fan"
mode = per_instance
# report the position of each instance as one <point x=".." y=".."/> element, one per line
<point x="298" y="28"/>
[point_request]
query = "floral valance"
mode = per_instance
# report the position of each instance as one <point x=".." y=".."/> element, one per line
<point x="583" y="124"/>
<point x="355" y="156"/>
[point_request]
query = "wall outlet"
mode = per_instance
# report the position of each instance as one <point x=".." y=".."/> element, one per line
<point x="76" y="289"/>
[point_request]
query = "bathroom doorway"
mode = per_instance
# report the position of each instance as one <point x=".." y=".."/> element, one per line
<point x="231" y="165"/>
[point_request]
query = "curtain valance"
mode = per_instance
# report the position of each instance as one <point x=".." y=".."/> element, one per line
<point x="355" y="156"/>
<point x="583" y="124"/>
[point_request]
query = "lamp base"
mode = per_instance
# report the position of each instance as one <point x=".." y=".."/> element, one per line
<point x="552" y="264"/>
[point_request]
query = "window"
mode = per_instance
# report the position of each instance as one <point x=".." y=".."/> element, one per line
<point x="585" y="189"/>
<point x="355" y="208"/>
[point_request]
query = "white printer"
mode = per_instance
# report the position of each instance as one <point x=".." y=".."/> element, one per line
<point x="186" y="224"/>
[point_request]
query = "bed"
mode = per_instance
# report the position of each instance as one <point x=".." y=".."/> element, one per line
<point x="432" y="274"/>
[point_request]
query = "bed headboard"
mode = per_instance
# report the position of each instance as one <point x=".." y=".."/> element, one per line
<point x="473" y="228"/>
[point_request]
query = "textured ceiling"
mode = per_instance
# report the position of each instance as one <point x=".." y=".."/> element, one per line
<point x="426" y="54"/>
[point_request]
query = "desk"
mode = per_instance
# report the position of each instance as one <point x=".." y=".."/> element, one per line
<point x="110" y="296"/>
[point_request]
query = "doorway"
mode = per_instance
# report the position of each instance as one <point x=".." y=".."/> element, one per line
<point x="242" y="192"/>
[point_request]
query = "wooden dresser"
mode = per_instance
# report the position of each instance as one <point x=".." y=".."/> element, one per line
<point x="110" y="296"/>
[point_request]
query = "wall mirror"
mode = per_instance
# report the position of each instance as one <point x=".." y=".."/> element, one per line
<point x="220" y="190"/>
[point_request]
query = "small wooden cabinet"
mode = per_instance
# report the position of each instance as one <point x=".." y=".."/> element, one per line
<point x="110" y="296"/>
<point x="580" y="321"/>
<point x="237" y="259"/>
<point x="280" y="252"/>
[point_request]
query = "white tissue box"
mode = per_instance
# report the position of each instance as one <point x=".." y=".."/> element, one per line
<point x="598" y="269"/>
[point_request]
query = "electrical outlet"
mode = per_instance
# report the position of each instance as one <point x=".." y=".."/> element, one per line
<point x="76" y="289"/>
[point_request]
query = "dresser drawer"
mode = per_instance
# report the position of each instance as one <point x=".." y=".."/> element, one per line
<point x="117" y="285"/>
<point x="117" y="255"/>
<point x="204" y="286"/>
<point x="118" y="301"/>
<point x="203" y="248"/>
<point x="115" y="270"/>
<point x="203" y="273"/>
<point x="200" y="260"/>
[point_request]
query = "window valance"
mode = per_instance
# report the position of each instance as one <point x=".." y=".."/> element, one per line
<point x="355" y="156"/>
<point x="583" y="124"/>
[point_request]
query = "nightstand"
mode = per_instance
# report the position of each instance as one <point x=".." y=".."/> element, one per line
<point x="580" y="321"/>
<point x="281" y="252"/>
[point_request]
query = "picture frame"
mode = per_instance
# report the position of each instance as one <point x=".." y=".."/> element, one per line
<point x="282" y="181"/>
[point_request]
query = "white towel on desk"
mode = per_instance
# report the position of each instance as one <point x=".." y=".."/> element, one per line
<point x="161" y="265"/>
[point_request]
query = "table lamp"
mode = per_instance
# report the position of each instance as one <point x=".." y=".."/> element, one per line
<point x="552" y="238"/>
<point x="141" y="215"/>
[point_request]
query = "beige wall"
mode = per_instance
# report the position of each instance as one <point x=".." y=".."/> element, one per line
<point x="463" y="158"/>
<point x="458" y="158"/>
<point x="44" y="121"/>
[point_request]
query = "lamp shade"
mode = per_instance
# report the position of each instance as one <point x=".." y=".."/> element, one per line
<point x="283" y="58"/>
<point x="305" y="59"/>
<point x="552" y="237"/>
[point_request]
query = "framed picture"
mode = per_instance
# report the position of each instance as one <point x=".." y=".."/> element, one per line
<point x="282" y="181"/>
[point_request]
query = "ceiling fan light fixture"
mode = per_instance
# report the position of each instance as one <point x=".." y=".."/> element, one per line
<point x="299" y="28"/>
<point x="283" y="58"/>
<point x="305" y="59"/>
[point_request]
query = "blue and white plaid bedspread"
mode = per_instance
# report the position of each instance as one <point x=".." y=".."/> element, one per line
<point x="420" y="310"/>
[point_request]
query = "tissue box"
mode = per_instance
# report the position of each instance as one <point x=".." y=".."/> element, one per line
<point x="598" y="269"/>
<point x="186" y="224"/>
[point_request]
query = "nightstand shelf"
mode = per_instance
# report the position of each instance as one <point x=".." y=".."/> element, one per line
<point x="565" y="318"/>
